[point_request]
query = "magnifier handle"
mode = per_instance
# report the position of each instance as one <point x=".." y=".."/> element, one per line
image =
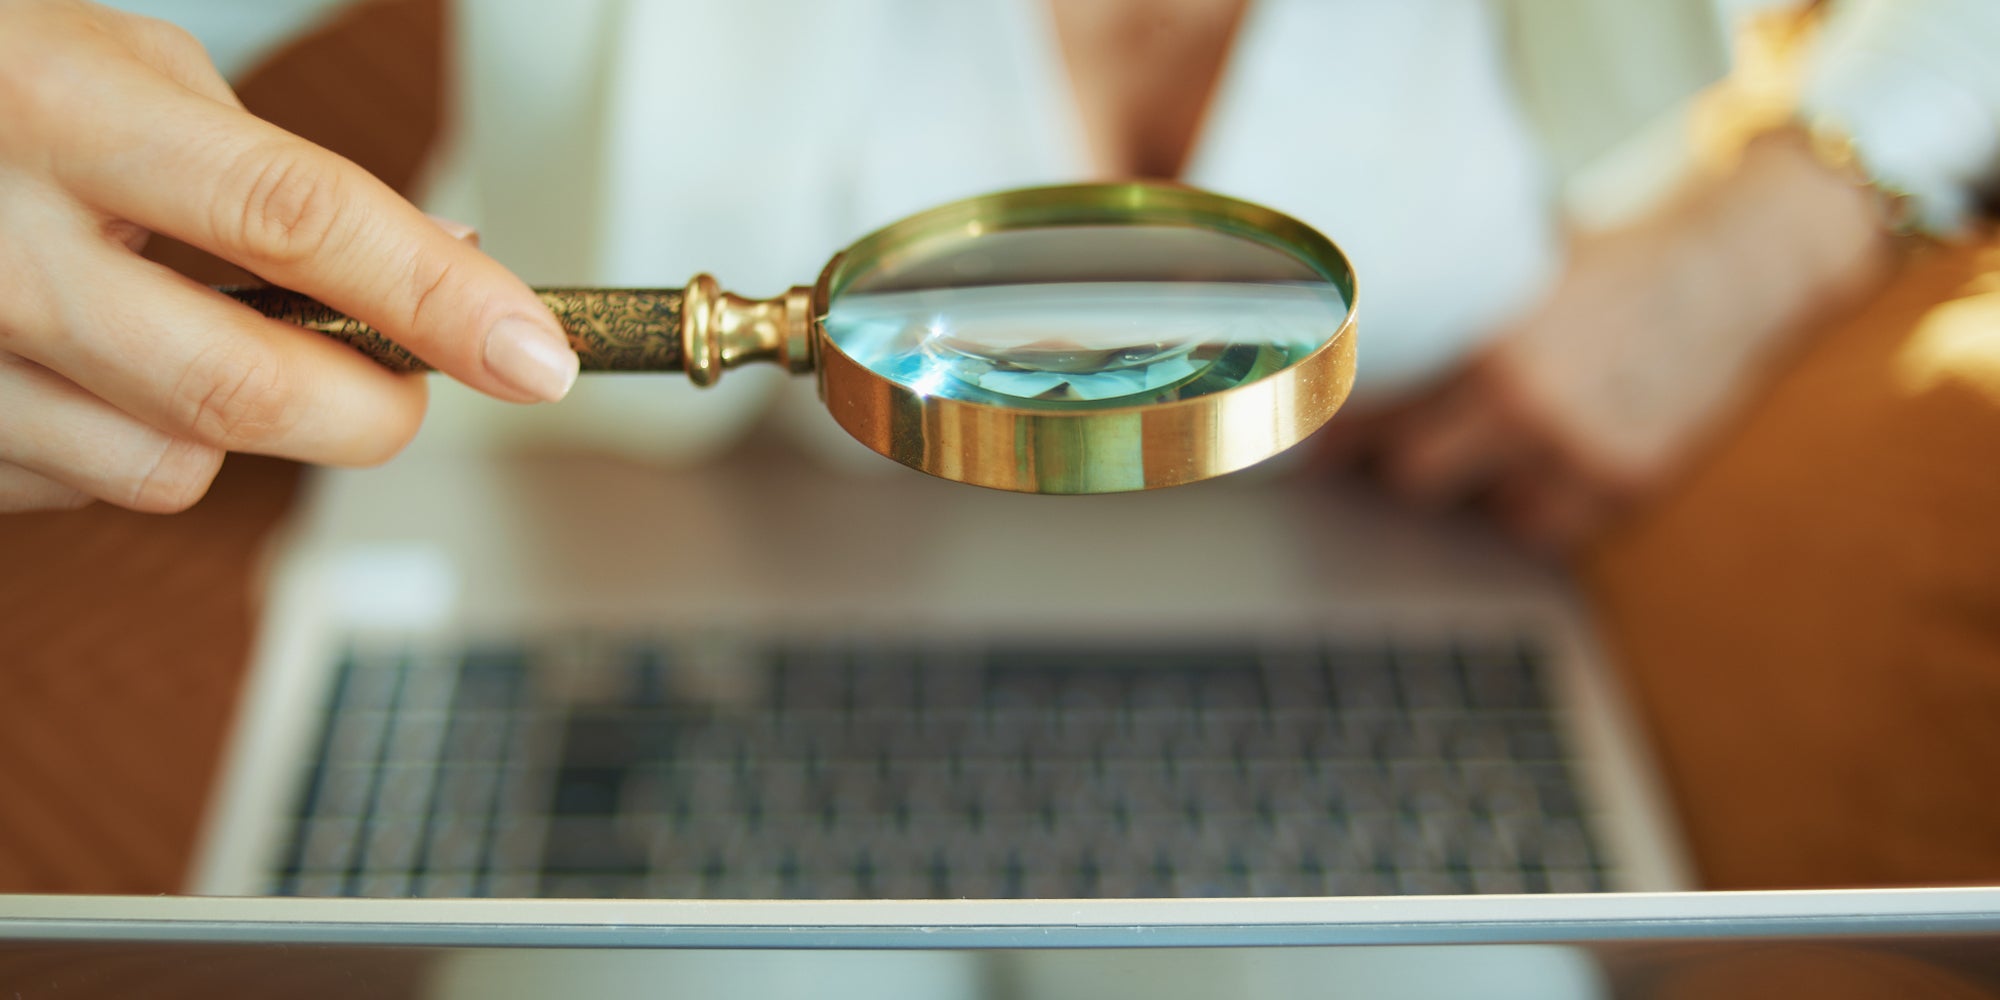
<point x="612" y="329"/>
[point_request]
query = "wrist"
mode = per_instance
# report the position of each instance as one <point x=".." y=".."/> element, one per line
<point x="1835" y="150"/>
<point x="1794" y="230"/>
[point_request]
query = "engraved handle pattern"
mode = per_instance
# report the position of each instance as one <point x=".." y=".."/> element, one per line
<point x="612" y="329"/>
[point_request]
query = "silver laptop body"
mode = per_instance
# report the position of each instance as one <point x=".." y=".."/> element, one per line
<point x="1259" y="687"/>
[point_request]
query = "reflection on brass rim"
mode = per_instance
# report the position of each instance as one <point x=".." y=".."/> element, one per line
<point x="1087" y="451"/>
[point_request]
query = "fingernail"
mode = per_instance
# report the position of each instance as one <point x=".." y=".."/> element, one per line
<point x="455" y="229"/>
<point x="531" y="358"/>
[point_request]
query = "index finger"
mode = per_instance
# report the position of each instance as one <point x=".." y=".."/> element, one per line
<point x="305" y="218"/>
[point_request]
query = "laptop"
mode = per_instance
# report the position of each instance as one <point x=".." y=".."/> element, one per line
<point x="557" y="675"/>
<point x="797" y="732"/>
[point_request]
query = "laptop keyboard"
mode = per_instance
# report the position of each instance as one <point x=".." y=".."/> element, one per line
<point x="585" y="767"/>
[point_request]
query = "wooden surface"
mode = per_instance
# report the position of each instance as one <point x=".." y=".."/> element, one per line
<point x="122" y="640"/>
<point x="1812" y="619"/>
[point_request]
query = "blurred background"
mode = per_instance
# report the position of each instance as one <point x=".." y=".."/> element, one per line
<point x="1804" y="596"/>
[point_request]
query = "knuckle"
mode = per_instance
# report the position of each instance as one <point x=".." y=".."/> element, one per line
<point x="428" y="289"/>
<point x="178" y="478"/>
<point x="282" y="206"/>
<point x="172" y="39"/>
<point x="38" y="309"/>
<point x="396" y="420"/>
<point x="14" y="340"/>
<point x="175" y="51"/>
<point x="236" y="399"/>
<point x="41" y="68"/>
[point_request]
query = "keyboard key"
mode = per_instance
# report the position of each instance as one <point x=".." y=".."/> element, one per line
<point x="588" y="790"/>
<point x="404" y="792"/>
<point x="357" y="737"/>
<point x="1575" y="880"/>
<point x="475" y="736"/>
<point x="455" y="843"/>
<point x="466" y="789"/>
<point x="436" y="884"/>
<point x="343" y="790"/>
<point x="370" y="681"/>
<point x="383" y="885"/>
<point x="321" y="884"/>
<point x="393" y="844"/>
<point x="331" y="844"/>
<point x="490" y="678"/>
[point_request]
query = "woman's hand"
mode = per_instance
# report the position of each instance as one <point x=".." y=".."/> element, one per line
<point x="1650" y="338"/>
<point x="122" y="381"/>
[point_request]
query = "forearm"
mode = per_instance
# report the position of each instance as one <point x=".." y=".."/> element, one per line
<point x="1776" y="242"/>
<point x="1657" y="330"/>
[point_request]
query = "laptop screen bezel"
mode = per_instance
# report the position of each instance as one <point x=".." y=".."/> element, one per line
<point x="983" y="924"/>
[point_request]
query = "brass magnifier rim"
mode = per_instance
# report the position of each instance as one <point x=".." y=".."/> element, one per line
<point x="1099" y="450"/>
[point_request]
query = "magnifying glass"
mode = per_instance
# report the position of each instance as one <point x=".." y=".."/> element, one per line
<point x="1092" y="338"/>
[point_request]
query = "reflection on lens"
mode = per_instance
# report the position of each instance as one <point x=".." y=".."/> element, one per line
<point x="1084" y="316"/>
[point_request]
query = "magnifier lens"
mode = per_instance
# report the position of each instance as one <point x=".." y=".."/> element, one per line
<point x="1083" y="316"/>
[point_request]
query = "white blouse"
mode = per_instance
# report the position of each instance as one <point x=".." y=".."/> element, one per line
<point x="641" y="141"/>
